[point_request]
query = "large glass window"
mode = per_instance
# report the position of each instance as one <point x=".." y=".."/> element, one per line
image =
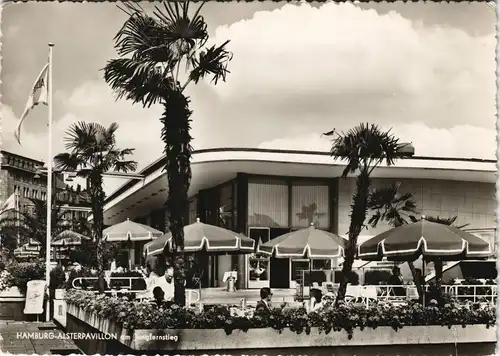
<point x="258" y="264"/>
<point x="226" y="206"/>
<point x="310" y="205"/>
<point x="193" y="211"/>
<point x="268" y="203"/>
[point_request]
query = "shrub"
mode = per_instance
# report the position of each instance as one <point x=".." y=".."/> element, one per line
<point x="23" y="272"/>
<point x="57" y="278"/>
<point x="142" y="315"/>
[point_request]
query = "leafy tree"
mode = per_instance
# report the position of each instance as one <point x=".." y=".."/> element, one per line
<point x="93" y="152"/>
<point x="396" y="208"/>
<point x="364" y="147"/>
<point x="153" y="49"/>
<point x="32" y="224"/>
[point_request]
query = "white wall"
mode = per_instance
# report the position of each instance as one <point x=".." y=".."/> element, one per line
<point x="473" y="203"/>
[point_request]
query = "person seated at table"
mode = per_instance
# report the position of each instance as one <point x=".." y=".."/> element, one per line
<point x="150" y="278"/>
<point x="396" y="280"/>
<point x="166" y="282"/>
<point x="316" y="301"/>
<point x="159" y="298"/>
<point x="264" y="304"/>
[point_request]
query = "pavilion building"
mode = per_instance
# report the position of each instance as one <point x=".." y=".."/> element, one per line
<point x="265" y="193"/>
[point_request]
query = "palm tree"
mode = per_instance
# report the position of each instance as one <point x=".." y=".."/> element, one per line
<point x="153" y="50"/>
<point x="310" y="213"/>
<point x="92" y="152"/>
<point x="396" y="208"/>
<point x="364" y="147"/>
<point x="32" y="224"/>
<point x="438" y="263"/>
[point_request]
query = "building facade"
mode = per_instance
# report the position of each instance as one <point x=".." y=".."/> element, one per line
<point x="21" y="176"/>
<point x="266" y="193"/>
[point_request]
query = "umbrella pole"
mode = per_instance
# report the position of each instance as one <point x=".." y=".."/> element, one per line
<point x="310" y="277"/>
<point x="423" y="281"/>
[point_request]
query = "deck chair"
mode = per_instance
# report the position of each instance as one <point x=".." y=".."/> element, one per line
<point x="351" y="293"/>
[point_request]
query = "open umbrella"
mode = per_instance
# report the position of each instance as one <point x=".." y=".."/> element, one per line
<point x="66" y="239"/>
<point x="22" y="252"/>
<point x="305" y="243"/>
<point x="203" y="237"/>
<point x="429" y="240"/>
<point x="424" y="238"/>
<point x="128" y="231"/>
<point x="69" y="238"/>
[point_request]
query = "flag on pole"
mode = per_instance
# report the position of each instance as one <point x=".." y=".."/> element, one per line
<point x="10" y="204"/>
<point x="38" y="95"/>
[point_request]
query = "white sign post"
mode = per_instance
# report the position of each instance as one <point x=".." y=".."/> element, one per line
<point x="34" y="297"/>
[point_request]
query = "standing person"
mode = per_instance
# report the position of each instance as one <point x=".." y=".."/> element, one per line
<point x="166" y="282"/>
<point x="113" y="267"/>
<point x="264" y="304"/>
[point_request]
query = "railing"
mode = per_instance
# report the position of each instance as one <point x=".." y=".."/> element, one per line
<point x="122" y="289"/>
<point x="403" y="293"/>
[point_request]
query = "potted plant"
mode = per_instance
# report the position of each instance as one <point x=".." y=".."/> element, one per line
<point x="57" y="281"/>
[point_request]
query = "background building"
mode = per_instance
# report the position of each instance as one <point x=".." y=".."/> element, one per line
<point x="266" y="193"/>
<point x="21" y="175"/>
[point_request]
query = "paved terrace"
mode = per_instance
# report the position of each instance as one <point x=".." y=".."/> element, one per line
<point x="25" y="344"/>
<point x="221" y="296"/>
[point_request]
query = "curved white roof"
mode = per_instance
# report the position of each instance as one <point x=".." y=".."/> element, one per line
<point x="215" y="166"/>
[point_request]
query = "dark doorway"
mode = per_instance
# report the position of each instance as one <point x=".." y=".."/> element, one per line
<point x="280" y="267"/>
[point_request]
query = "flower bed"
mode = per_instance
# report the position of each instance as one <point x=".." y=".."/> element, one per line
<point x="133" y="315"/>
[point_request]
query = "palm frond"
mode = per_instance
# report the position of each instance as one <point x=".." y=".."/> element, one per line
<point x="390" y="205"/>
<point x="212" y="62"/>
<point x="68" y="161"/>
<point x="80" y="136"/>
<point x="124" y="166"/>
<point x="138" y="81"/>
<point x="146" y="39"/>
<point x="366" y="146"/>
<point x="185" y="33"/>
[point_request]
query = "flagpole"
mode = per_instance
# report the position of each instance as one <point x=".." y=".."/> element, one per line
<point x="17" y="207"/>
<point x="49" y="183"/>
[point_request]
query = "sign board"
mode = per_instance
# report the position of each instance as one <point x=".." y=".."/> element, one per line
<point x="34" y="297"/>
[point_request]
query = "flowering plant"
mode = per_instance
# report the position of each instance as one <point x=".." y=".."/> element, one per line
<point x="21" y="273"/>
<point x="142" y="315"/>
<point x="5" y="280"/>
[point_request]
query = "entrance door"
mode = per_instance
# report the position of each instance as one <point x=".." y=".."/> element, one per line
<point x="280" y="267"/>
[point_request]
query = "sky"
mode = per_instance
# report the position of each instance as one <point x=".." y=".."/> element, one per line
<point x="424" y="70"/>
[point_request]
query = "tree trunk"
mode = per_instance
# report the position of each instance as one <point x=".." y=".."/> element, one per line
<point x="438" y="268"/>
<point x="97" y="200"/>
<point x="417" y="280"/>
<point x="358" y="216"/>
<point x="175" y="134"/>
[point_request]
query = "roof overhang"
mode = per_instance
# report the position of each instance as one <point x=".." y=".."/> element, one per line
<point x="212" y="167"/>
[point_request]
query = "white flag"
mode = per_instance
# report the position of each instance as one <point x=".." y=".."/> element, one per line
<point x="39" y="95"/>
<point x="10" y="204"/>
